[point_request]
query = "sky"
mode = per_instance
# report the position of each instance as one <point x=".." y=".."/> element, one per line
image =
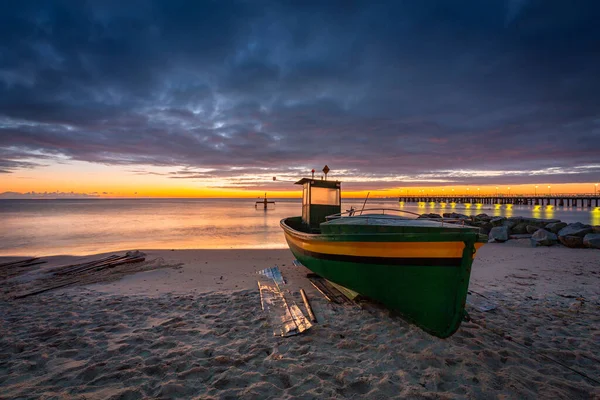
<point x="215" y="98"/>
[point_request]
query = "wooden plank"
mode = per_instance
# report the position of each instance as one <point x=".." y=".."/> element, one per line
<point x="112" y="264"/>
<point x="65" y="269"/>
<point x="309" y="310"/>
<point x="329" y="291"/>
<point x="44" y="289"/>
<point x="15" y="263"/>
<point x="349" y="293"/>
<point x="82" y="267"/>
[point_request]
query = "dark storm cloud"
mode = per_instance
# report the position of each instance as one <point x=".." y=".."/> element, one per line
<point x="391" y="93"/>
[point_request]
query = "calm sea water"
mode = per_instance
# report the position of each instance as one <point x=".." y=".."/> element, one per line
<point x="47" y="227"/>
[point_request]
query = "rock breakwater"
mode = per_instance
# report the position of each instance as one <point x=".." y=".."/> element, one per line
<point x="541" y="232"/>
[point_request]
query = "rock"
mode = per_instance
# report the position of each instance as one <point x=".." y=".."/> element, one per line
<point x="571" y="241"/>
<point x="510" y="223"/>
<point x="554" y="227"/>
<point x="520" y="236"/>
<point x="592" y="240"/>
<point x="483" y="217"/>
<point x="455" y="216"/>
<point x="498" y="234"/>
<point x="576" y="229"/>
<point x="432" y="215"/>
<point x="543" y="237"/>
<point x="483" y="225"/>
<point x="596" y="228"/>
<point x="497" y="221"/>
<point x="532" y="228"/>
<point x="519" y="228"/>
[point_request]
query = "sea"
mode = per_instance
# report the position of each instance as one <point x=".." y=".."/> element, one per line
<point x="85" y="226"/>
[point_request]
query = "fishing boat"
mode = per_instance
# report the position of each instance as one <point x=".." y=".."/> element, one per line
<point x="417" y="267"/>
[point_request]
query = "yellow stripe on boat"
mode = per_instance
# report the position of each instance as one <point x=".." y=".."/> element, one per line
<point x="383" y="249"/>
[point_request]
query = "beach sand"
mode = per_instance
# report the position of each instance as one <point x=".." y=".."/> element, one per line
<point x="194" y="328"/>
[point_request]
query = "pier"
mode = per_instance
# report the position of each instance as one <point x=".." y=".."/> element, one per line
<point x="564" y="200"/>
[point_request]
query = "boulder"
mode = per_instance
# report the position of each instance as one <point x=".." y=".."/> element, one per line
<point x="483" y="217"/>
<point x="596" y="228"/>
<point x="498" y="234"/>
<point x="540" y="223"/>
<point x="532" y="228"/>
<point x="543" y="237"/>
<point x="519" y="228"/>
<point x="497" y="221"/>
<point x="511" y="222"/>
<point x="554" y="227"/>
<point x="576" y="229"/>
<point x="432" y="215"/>
<point x="484" y="227"/>
<point x="456" y="216"/>
<point x="571" y="241"/>
<point x="592" y="240"/>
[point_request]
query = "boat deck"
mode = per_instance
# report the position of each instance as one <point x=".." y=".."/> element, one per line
<point x="380" y="223"/>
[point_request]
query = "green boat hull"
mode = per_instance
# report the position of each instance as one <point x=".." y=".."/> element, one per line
<point x="427" y="291"/>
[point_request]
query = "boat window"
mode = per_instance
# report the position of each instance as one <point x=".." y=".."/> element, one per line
<point x="325" y="196"/>
<point x="305" y="194"/>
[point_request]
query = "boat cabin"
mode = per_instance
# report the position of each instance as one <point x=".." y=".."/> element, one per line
<point x="320" y="198"/>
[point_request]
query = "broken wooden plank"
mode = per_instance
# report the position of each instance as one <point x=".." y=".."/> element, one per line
<point x="273" y="273"/>
<point x="328" y="290"/>
<point x="286" y="320"/>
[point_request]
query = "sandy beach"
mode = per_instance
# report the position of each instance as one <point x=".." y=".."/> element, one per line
<point x="190" y="325"/>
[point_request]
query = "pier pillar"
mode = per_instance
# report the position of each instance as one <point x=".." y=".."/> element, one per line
<point x="561" y="203"/>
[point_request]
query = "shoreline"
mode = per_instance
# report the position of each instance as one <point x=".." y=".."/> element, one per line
<point x="194" y="327"/>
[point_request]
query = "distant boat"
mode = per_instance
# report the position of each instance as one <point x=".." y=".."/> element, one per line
<point x="417" y="267"/>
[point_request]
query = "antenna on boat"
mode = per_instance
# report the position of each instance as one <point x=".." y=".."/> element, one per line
<point x="363" y="207"/>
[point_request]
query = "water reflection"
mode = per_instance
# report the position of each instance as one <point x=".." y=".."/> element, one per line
<point x="596" y="216"/>
<point x="89" y="226"/>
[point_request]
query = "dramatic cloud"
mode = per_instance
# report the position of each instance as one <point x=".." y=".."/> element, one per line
<point x="402" y="92"/>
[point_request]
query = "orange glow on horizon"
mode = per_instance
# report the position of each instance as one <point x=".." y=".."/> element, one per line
<point x="122" y="182"/>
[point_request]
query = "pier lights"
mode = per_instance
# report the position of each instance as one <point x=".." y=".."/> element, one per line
<point x="549" y="191"/>
<point x="536" y="186"/>
<point x="596" y="189"/>
<point x="496" y="190"/>
<point x="509" y="190"/>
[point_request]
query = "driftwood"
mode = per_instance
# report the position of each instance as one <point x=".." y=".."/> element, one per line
<point x="80" y="273"/>
<point x="311" y="315"/>
<point x="44" y="289"/>
<point x="22" y="263"/>
<point x="65" y="269"/>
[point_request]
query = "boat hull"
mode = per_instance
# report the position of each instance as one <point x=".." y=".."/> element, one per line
<point x="424" y="277"/>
